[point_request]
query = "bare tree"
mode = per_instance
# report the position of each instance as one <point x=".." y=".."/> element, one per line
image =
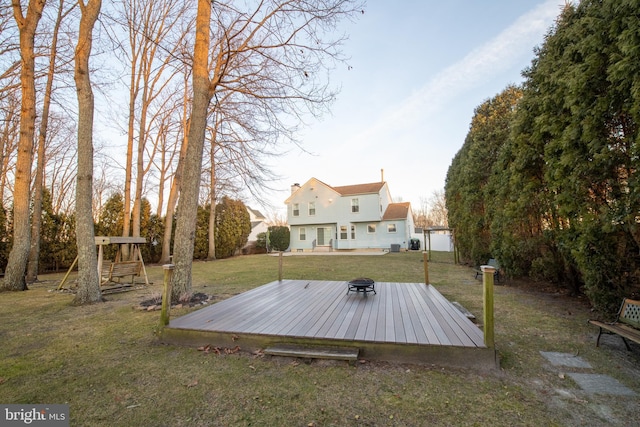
<point x="211" y="255"/>
<point x="432" y="211"/>
<point x="9" y="132"/>
<point x="34" y="251"/>
<point x="438" y="214"/>
<point x="61" y="169"/>
<point x="169" y="133"/>
<point x="278" y="52"/>
<point x="9" y="52"/>
<point x="27" y="24"/>
<point x="177" y="180"/>
<point x="192" y="164"/>
<point x="148" y="23"/>
<point x="421" y="214"/>
<point x="88" y="277"/>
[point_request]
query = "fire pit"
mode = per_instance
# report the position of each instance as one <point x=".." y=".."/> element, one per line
<point x="362" y="284"/>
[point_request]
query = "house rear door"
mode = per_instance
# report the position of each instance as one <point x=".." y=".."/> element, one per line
<point x="323" y="236"/>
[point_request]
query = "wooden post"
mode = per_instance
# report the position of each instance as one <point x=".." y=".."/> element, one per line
<point x="425" y="260"/>
<point x="487" y="282"/>
<point x="166" y="295"/>
<point x="280" y="267"/>
<point x="64" y="279"/>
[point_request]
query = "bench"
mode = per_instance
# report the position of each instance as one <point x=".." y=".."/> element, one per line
<point x="117" y="270"/>
<point x="492" y="263"/>
<point x="627" y="325"/>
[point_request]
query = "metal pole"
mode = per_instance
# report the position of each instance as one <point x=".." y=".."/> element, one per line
<point x="280" y="267"/>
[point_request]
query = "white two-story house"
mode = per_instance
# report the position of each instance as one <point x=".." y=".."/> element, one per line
<point x="350" y="217"/>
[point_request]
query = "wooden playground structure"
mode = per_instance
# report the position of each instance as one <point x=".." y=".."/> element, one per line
<point x="113" y="272"/>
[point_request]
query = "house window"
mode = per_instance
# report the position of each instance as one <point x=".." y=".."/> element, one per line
<point x="312" y="208"/>
<point x="371" y="228"/>
<point x="343" y="232"/>
<point x="296" y="209"/>
<point x="391" y="228"/>
<point x="355" y="206"/>
<point x="303" y="233"/>
<point x="353" y="232"/>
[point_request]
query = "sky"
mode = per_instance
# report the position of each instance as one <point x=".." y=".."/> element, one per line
<point x="418" y="69"/>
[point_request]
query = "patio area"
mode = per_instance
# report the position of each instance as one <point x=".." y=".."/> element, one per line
<point x="401" y="322"/>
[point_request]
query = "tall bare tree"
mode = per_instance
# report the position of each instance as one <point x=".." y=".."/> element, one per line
<point x="192" y="164"/>
<point x="9" y="132"/>
<point x="34" y="251"/>
<point x="150" y="25"/>
<point x="176" y="181"/>
<point x="88" y="276"/>
<point x="279" y="52"/>
<point x="27" y="24"/>
<point x="62" y="162"/>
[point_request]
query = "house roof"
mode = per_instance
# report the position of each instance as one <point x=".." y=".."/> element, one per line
<point x="256" y="213"/>
<point x="396" y="211"/>
<point x="347" y="190"/>
<point x="344" y="190"/>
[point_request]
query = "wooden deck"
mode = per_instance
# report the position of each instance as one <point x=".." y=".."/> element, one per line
<point x="404" y="322"/>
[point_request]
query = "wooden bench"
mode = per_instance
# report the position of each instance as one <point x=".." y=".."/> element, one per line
<point x="627" y="324"/>
<point x="492" y="263"/>
<point x="117" y="270"/>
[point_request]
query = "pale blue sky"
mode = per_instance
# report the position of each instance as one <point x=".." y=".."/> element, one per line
<point x="419" y="70"/>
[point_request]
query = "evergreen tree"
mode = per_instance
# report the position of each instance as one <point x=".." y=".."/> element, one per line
<point x="233" y="226"/>
<point x="279" y="238"/>
<point x="589" y="107"/>
<point x="471" y="186"/>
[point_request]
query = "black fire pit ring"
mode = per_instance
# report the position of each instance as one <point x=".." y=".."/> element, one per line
<point x="362" y="284"/>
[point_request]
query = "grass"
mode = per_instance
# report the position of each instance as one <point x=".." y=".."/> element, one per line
<point x="105" y="362"/>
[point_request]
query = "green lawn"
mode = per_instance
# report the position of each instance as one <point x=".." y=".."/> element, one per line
<point x="105" y="362"/>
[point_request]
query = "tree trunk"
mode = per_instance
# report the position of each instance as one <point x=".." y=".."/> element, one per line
<point x="136" y="216"/>
<point x="175" y="189"/>
<point x="88" y="277"/>
<point x="14" y="279"/>
<point x="126" y="224"/>
<point x="36" y="221"/>
<point x="190" y="189"/>
<point x="212" y="200"/>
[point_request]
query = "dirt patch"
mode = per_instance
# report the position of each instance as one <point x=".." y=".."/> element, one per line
<point x="197" y="299"/>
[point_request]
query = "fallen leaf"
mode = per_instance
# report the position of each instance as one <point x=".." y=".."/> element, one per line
<point x="252" y="367"/>
<point x="192" y="384"/>
<point x="232" y="350"/>
<point x="2" y="380"/>
<point x="235" y="337"/>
